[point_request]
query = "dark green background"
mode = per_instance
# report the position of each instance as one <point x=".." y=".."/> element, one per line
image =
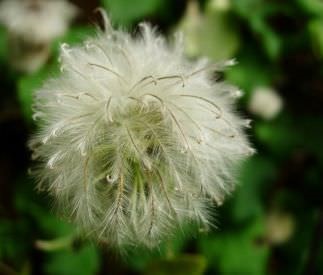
<point x="276" y="43"/>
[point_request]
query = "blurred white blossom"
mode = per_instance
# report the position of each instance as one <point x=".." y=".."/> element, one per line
<point x="135" y="140"/>
<point x="279" y="227"/>
<point x="37" y="21"/>
<point x="32" y="25"/>
<point x="265" y="102"/>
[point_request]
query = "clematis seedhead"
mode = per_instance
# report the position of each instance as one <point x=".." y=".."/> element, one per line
<point x="135" y="141"/>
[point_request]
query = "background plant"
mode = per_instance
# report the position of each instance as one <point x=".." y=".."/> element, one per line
<point x="271" y="225"/>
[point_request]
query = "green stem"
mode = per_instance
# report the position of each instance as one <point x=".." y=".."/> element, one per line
<point x="55" y="244"/>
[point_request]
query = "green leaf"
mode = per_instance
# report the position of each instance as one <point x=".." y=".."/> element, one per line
<point x="28" y="203"/>
<point x="14" y="245"/>
<point x="237" y="252"/>
<point x="279" y="136"/>
<point x="312" y="6"/>
<point x="125" y="12"/>
<point x="243" y="7"/>
<point x="257" y="20"/>
<point x="139" y="258"/>
<point x="84" y="261"/>
<point x="180" y="265"/>
<point x="254" y="174"/>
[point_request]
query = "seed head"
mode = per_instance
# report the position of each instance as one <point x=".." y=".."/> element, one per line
<point x="136" y="141"/>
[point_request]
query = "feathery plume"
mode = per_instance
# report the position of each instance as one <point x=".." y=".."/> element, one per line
<point x="136" y="141"/>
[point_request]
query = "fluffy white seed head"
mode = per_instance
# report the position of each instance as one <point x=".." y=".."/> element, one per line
<point x="265" y="102"/>
<point x="136" y="141"/>
<point x="36" y="21"/>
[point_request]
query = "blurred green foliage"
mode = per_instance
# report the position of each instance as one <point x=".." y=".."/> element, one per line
<point x="236" y="252"/>
<point x="181" y="265"/>
<point x="277" y="44"/>
<point x="3" y="44"/>
<point x="121" y="13"/>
